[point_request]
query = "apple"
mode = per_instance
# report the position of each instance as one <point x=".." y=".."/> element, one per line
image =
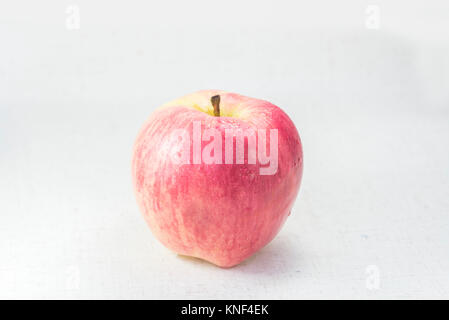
<point x="204" y="186"/>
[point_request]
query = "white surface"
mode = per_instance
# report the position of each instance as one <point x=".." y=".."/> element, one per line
<point x="371" y="105"/>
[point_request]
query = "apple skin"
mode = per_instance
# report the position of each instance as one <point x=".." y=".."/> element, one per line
<point x="222" y="213"/>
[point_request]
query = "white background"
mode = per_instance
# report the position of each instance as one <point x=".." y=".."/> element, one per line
<point x="371" y="105"/>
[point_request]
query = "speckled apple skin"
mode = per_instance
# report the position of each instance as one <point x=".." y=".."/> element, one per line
<point x="222" y="213"/>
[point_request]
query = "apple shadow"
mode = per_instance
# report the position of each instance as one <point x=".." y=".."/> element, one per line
<point x="276" y="257"/>
<point x="196" y="261"/>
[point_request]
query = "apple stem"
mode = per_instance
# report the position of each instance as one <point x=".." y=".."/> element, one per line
<point x="216" y="104"/>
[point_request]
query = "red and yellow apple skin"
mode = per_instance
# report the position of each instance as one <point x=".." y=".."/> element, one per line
<point x="222" y="213"/>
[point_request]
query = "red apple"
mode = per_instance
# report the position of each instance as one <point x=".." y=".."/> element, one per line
<point x="207" y="193"/>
